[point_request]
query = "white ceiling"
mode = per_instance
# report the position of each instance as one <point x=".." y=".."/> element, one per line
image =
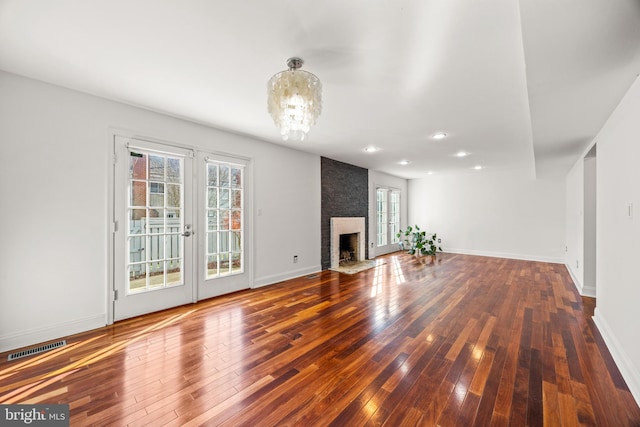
<point x="523" y="84"/>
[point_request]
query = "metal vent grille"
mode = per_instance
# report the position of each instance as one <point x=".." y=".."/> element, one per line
<point x="36" y="350"/>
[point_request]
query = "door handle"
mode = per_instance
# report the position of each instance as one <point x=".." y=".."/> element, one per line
<point x="186" y="233"/>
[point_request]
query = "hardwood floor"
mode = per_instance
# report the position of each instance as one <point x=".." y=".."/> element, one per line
<point x="467" y="341"/>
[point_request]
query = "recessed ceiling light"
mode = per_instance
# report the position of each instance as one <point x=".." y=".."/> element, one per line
<point x="477" y="167"/>
<point x="461" y="154"/>
<point x="404" y="162"/>
<point x="430" y="173"/>
<point x="371" y="149"/>
<point x="439" y="135"/>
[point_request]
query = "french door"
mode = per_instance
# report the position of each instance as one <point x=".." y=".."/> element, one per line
<point x="180" y="228"/>
<point x="153" y="227"/>
<point x="387" y="219"/>
<point x="224" y="260"/>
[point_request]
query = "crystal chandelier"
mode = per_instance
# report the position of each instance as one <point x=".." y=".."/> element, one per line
<point x="294" y="100"/>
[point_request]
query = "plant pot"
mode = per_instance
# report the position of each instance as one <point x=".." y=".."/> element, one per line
<point x="425" y="259"/>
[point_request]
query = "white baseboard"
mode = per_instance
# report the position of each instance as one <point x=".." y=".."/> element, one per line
<point x="50" y="332"/>
<point x="588" y="291"/>
<point x="628" y="370"/>
<point x="275" y="278"/>
<point x="524" y="257"/>
<point x="585" y="291"/>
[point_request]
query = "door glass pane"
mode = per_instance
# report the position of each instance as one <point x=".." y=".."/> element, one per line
<point x="137" y="221"/>
<point x="212" y="175"/>
<point x="173" y="196"/>
<point x="224" y="263"/>
<point x="224" y="242"/>
<point x="212" y="243"/>
<point x="224" y="198"/>
<point x="137" y="277"/>
<point x="236" y="262"/>
<point x="236" y="178"/>
<point x="173" y="170"/>
<point x="156" y="168"/>
<point x="236" y="199"/>
<point x="382" y="216"/>
<point x="224" y="212"/>
<point x="174" y="272"/>
<point x="224" y="176"/>
<point x="156" y="247"/>
<point x="212" y="197"/>
<point x="138" y="193"/>
<point x="236" y="242"/>
<point x="394" y="220"/>
<point x="212" y="265"/>
<point x="156" y="194"/>
<point x="154" y="232"/>
<point x="224" y="219"/>
<point x="236" y="219"/>
<point x="137" y="247"/>
<point x="138" y="166"/>
<point x="155" y="222"/>
<point x="156" y="275"/>
<point x="212" y="220"/>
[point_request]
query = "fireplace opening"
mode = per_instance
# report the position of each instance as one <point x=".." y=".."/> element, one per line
<point x="349" y="248"/>
<point x="352" y="247"/>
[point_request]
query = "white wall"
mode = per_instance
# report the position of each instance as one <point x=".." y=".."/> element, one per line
<point x="379" y="179"/>
<point x="590" y="223"/>
<point x="618" y="236"/>
<point x="574" y="233"/>
<point x="54" y="160"/>
<point x="504" y="214"/>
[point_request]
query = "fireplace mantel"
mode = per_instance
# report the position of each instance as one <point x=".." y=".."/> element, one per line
<point x="346" y="225"/>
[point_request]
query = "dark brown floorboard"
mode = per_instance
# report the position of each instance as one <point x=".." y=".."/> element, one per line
<point x="465" y="341"/>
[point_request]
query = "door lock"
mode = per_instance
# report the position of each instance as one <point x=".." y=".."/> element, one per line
<point x="187" y="231"/>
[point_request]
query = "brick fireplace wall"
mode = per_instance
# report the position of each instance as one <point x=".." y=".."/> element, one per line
<point x="345" y="193"/>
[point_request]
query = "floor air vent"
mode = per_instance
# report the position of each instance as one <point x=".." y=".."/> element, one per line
<point x="36" y="350"/>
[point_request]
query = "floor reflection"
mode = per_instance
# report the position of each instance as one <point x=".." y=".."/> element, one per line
<point x="23" y="390"/>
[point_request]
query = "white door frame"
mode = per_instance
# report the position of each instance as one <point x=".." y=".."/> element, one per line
<point x="208" y="288"/>
<point x="127" y="304"/>
<point x="197" y="178"/>
<point x="389" y="247"/>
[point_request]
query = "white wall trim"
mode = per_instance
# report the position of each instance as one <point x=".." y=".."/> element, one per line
<point x="51" y="332"/>
<point x="275" y="278"/>
<point x="523" y="257"/>
<point x="626" y="367"/>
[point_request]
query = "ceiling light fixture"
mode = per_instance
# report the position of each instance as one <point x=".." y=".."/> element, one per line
<point x="477" y="167"/>
<point x="294" y="100"/>
<point x="439" y="135"/>
<point x="461" y="154"/>
<point x="371" y="149"/>
<point x="404" y="162"/>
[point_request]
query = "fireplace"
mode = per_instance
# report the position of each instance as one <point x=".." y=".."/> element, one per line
<point x="347" y="240"/>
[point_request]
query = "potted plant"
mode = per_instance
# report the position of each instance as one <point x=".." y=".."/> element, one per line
<point x="419" y="243"/>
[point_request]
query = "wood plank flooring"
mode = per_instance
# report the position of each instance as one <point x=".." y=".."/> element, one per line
<point x="465" y="341"/>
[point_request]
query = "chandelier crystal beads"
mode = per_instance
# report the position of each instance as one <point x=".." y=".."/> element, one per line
<point x="294" y="100"/>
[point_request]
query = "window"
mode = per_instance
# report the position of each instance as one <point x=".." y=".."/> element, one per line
<point x="155" y="211"/>
<point x="382" y="211"/>
<point x="224" y="220"/>
<point x="394" y="216"/>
